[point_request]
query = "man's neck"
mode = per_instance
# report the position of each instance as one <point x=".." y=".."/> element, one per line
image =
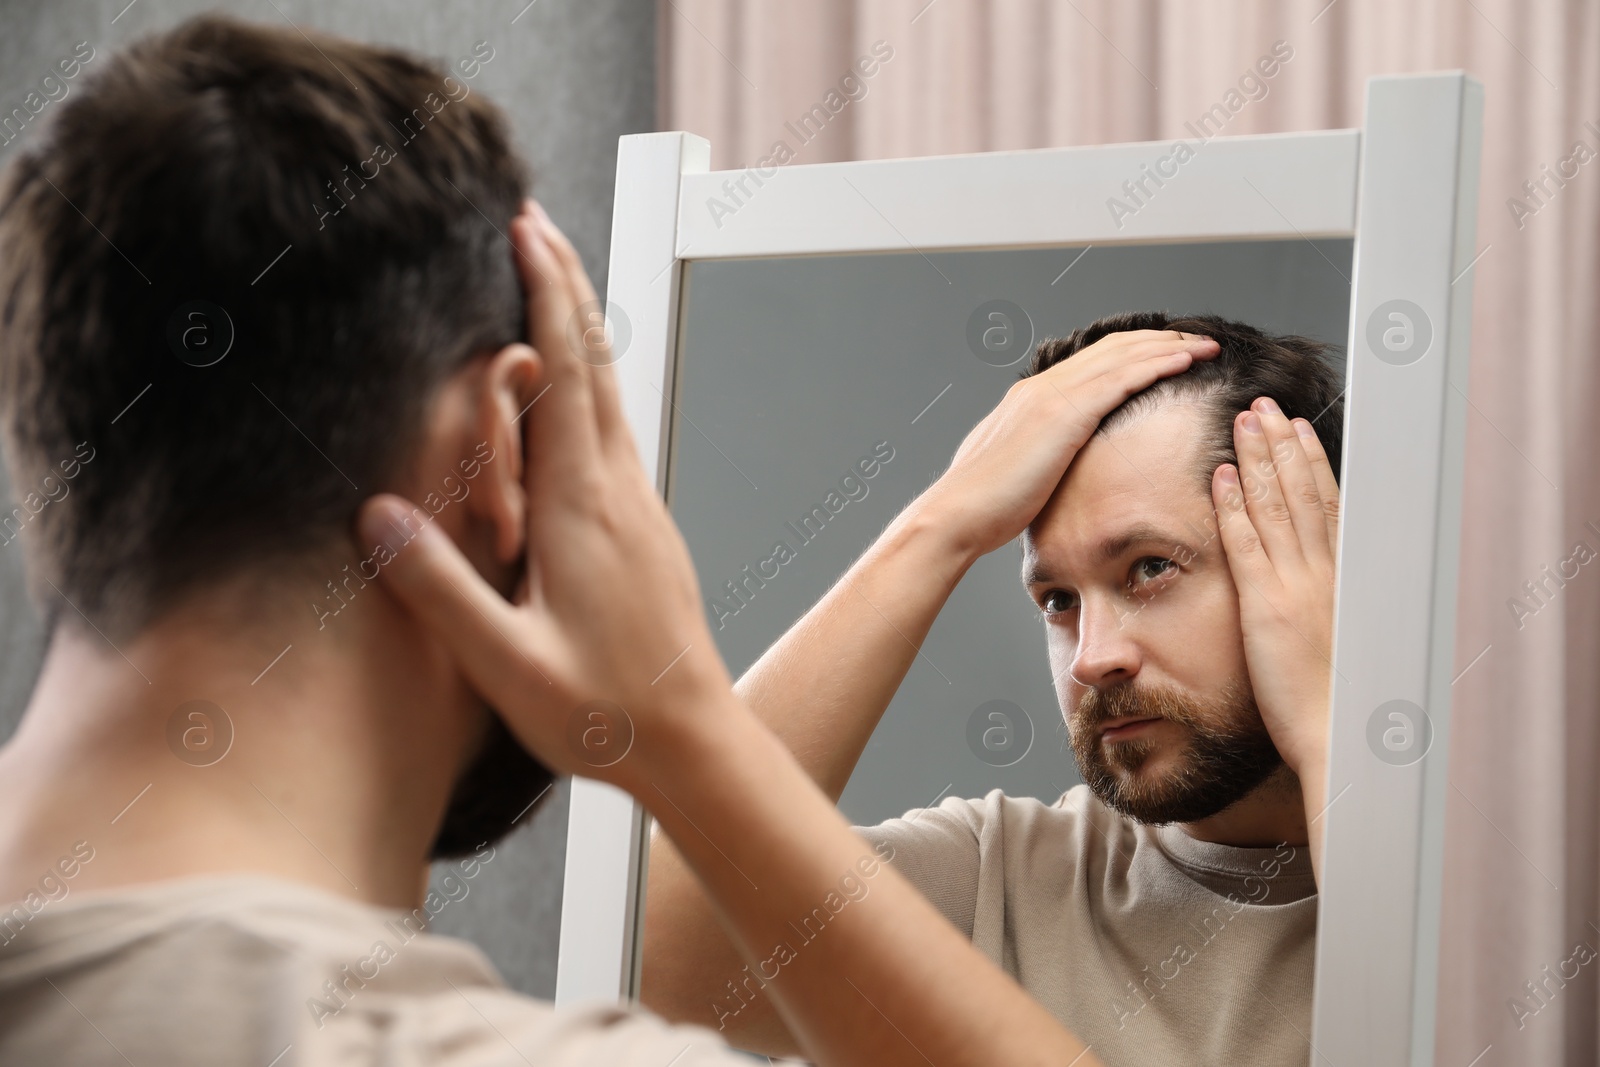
<point x="1273" y="814"/>
<point x="202" y="746"/>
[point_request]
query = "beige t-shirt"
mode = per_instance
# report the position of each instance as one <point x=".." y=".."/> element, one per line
<point x="1152" y="947"/>
<point x="225" y="970"/>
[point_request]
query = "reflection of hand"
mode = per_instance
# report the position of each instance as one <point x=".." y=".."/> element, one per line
<point x="1004" y="472"/>
<point x="610" y="600"/>
<point x="1281" y="536"/>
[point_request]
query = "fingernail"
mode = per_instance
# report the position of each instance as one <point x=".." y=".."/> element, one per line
<point x="1230" y="476"/>
<point x="1269" y="405"/>
<point x="1303" y="428"/>
<point x="1252" y="422"/>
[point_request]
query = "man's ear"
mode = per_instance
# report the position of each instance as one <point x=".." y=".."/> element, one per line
<point x="510" y="383"/>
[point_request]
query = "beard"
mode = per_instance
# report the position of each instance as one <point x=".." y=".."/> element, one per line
<point x="1227" y="756"/>
<point x="502" y="789"/>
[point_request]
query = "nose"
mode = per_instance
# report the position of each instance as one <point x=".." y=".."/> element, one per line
<point x="1108" y="650"/>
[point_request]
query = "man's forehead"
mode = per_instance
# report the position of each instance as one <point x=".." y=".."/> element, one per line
<point x="1136" y="485"/>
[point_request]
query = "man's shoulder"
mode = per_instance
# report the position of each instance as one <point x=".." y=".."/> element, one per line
<point x="1077" y="805"/>
<point x="978" y="859"/>
<point x="1076" y="816"/>
<point x="258" y="959"/>
<point x="252" y="928"/>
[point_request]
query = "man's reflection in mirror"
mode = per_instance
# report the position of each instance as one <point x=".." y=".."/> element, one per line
<point x="1165" y="910"/>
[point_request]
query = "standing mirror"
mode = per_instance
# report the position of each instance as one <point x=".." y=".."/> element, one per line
<point x="781" y="332"/>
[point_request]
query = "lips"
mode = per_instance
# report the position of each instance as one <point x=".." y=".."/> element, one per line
<point x="1112" y="729"/>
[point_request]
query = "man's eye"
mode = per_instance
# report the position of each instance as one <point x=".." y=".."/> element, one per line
<point x="1056" y="601"/>
<point x="1141" y="568"/>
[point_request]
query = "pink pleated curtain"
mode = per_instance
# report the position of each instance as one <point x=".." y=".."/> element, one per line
<point x="1522" y="867"/>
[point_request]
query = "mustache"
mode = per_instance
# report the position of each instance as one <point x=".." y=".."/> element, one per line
<point x="1127" y="700"/>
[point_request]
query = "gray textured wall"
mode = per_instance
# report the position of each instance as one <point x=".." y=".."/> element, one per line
<point x="574" y="75"/>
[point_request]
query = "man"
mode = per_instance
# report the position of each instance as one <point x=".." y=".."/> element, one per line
<point x="1165" y="910"/>
<point x="258" y="720"/>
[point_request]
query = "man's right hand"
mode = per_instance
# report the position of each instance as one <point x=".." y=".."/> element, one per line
<point x="608" y="630"/>
<point x="1004" y="472"/>
<point x="755" y="831"/>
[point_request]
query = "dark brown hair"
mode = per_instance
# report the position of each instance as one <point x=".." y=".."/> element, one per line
<point x="325" y="216"/>
<point x="1294" y="371"/>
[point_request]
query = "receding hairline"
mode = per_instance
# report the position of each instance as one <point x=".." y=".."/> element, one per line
<point x="1141" y="531"/>
<point x="1203" y="397"/>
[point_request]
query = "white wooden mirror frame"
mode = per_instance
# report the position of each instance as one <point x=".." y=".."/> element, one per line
<point x="1405" y="187"/>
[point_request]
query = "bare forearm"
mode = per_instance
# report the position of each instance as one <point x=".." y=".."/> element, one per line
<point x="861" y="968"/>
<point x="821" y="690"/>
<point x="825" y="684"/>
<point x="688" y="959"/>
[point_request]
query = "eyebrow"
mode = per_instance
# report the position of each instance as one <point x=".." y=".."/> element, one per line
<point x="1114" y="548"/>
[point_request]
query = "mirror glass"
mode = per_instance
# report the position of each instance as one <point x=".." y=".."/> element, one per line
<point x="793" y="371"/>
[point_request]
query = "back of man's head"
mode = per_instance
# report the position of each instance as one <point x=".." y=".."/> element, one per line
<point x="236" y="264"/>
<point x="1294" y="371"/>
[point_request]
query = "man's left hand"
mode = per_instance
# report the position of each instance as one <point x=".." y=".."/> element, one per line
<point x="1279" y="527"/>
